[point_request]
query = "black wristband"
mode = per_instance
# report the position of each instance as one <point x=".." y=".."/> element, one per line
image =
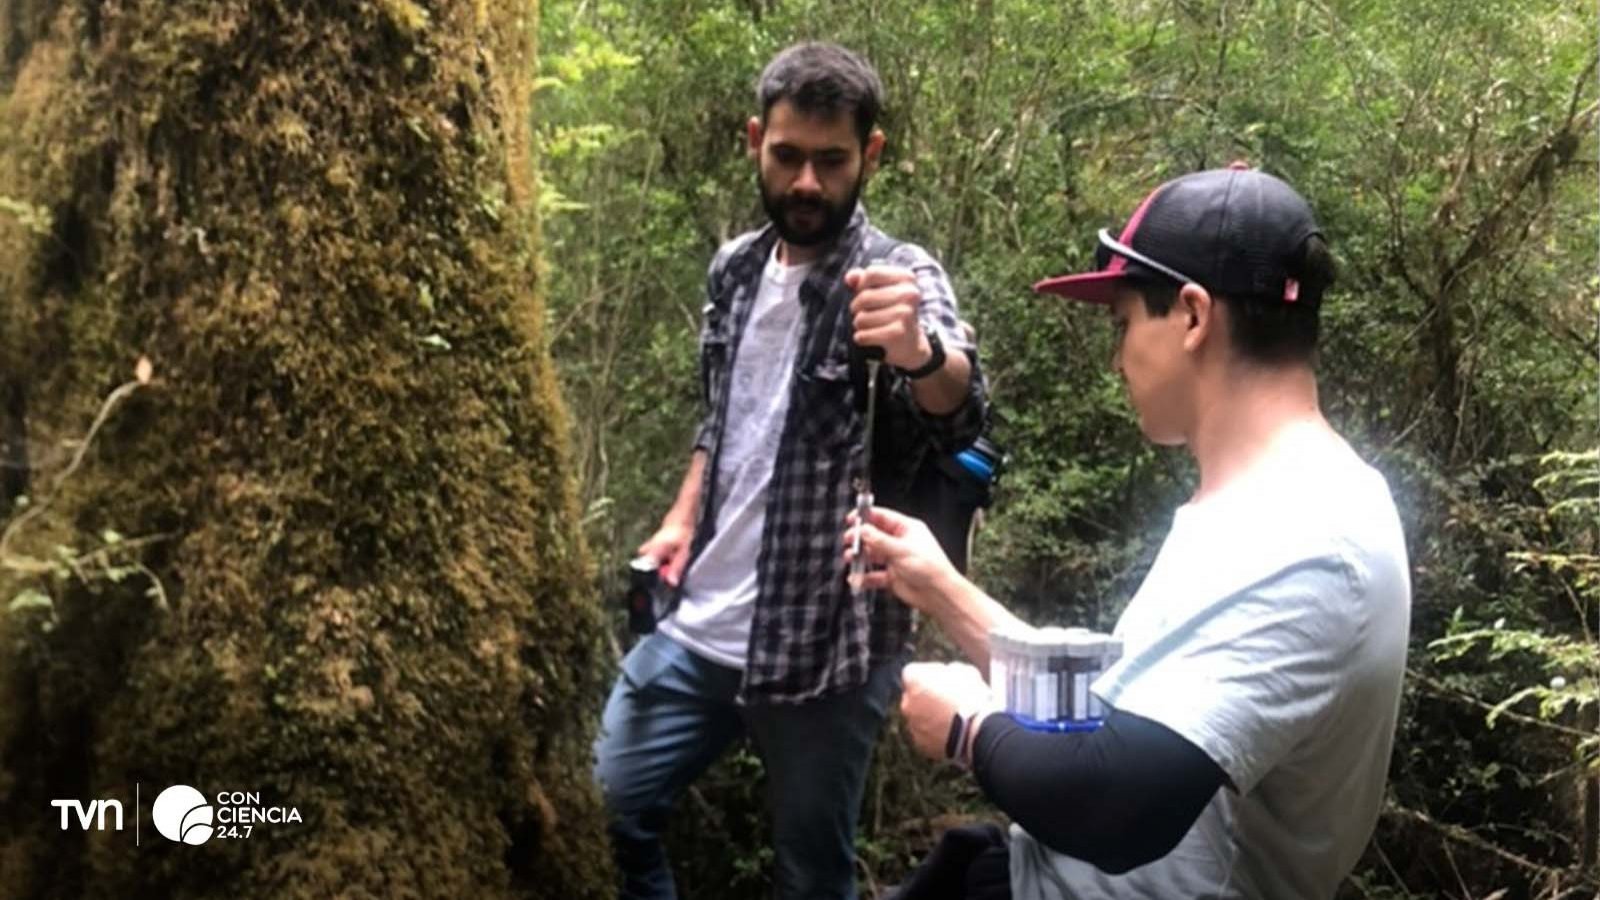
<point x="952" y="744"/>
<point x="934" y="363"/>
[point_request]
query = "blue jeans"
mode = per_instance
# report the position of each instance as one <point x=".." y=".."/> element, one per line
<point x="671" y="714"/>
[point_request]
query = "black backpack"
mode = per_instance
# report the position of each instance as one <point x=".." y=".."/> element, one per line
<point x="909" y="474"/>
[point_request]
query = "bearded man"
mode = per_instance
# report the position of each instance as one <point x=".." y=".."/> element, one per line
<point x="767" y="639"/>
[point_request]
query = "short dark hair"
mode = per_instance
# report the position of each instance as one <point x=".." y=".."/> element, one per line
<point x="1263" y="329"/>
<point x="820" y="78"/>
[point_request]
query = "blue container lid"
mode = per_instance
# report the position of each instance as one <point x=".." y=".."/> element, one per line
<point x="1056" y="725"/>
<point x="976" y="463"/>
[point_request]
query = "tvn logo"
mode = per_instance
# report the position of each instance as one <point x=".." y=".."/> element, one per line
<point x="95" y="812"/>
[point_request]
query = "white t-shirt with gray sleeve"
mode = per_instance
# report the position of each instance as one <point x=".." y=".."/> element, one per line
<point x="1271" y="633"/>
<point x="719" y="590"/>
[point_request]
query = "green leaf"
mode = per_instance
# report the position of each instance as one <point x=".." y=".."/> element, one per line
<point x="28" y="598"/>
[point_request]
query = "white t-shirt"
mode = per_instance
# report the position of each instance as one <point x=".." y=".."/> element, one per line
<point x="719" y="590"/>
<point x="1270" y="633"/>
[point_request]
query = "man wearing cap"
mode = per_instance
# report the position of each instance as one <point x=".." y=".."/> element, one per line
<point x="768" y="639"/>
<point x="1253" y="711"/>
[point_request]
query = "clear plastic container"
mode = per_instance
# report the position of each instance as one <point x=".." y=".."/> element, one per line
<point x="1083" y="656"/>
<point x="1044" y="695"/>
<point x="1000" y="666"/>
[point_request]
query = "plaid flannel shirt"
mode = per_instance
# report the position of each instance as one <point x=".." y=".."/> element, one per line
<point x="809" y="635"/>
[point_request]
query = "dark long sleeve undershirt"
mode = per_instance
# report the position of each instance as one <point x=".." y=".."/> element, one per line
<point x="1117" y="797"/>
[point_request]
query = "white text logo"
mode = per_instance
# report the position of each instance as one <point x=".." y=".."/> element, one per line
<point x="94" y="812"/>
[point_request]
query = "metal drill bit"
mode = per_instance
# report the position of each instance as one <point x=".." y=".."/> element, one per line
<point x="858" y="562"/>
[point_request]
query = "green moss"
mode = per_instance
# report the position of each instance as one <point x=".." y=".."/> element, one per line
<point x="378" y="602"/>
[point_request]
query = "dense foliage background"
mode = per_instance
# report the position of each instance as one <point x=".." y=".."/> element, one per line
<point x="1449" y="148"/>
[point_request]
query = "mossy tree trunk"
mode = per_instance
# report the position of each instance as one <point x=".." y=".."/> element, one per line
<point x="348" y="475"/>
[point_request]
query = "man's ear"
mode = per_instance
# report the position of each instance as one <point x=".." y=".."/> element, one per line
<point x="752" y="137"/>
<point x="1199" y="310"/>
<point x="872" y="152"/>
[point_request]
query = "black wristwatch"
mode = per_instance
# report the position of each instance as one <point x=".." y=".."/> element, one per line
<point x="934" y="363"/>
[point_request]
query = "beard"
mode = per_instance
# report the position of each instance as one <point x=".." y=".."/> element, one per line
<point x="829" y="220"/>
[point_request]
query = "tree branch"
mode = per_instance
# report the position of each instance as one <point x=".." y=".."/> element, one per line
<point x="33" y="512"/>
<point x="1465" y="836"/>
<point x="1445" y="690"/>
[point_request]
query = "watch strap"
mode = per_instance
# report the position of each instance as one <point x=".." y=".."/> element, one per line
<point x="952" y="744"/>
<point x="935" y="361"/>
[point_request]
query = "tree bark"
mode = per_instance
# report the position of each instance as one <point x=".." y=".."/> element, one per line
<point x="349" y="477"/>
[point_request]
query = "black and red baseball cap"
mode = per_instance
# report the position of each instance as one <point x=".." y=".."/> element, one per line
<point x="1236" y="231"/>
